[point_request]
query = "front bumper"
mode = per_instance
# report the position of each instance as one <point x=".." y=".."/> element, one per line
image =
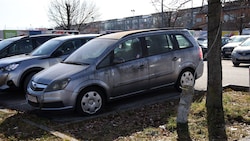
<point x="227" y="51"/>
<point x="56" y="100"/>
<point x="5" y="81"/>
<point x="241" y="57"/>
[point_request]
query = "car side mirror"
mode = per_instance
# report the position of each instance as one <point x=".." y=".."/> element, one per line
<point x="118" y="60"/>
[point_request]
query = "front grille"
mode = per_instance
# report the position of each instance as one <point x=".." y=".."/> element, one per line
<point x="37" y="87"/>
<point x="244" y="53"/>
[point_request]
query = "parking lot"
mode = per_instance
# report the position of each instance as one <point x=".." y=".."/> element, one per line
<point x="238" y="76"/>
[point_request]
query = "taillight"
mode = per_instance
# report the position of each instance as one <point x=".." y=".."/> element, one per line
<point x="200" y="53"/>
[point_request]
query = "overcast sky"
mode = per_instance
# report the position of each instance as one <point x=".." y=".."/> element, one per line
<point x="29" y="14"/>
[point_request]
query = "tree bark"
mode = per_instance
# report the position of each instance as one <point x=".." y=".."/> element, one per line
<point x="186" y="99"/>
<point x="214" y="105"/>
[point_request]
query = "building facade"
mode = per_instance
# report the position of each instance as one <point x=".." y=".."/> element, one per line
<point x="235" y="17"/>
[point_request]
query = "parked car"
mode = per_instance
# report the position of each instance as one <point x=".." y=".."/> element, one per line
<point x="224" y="40"/>
<point x="203" y="45"/>
<point x="23" y="44"/>
<point x="16" y="71"/>
<point x="234" y="41"/>
<point x="117" y="65"/>
<point x="241" y="54"/>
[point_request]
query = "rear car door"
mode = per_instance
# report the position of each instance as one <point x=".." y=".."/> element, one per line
<point x="161" y="60"/>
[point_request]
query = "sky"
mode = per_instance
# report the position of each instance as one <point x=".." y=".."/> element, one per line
<point x="31" y="14"/>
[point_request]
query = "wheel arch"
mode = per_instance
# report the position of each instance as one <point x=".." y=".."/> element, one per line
<point x="26" y="73"/>
<point x="98" y="85"/>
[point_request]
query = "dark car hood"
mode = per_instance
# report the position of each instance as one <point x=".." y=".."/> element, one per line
<point x="57" y="72"/>
<point x="16" y="58"/>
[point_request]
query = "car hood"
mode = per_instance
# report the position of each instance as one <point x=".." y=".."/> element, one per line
<point x="231" y="44"/>
<point x="16" y="58"/>
<point x="57" y="72"/>
<point x="245" y="49"/>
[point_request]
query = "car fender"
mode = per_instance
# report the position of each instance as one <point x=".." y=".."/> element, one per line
<point x="91" y="83"/>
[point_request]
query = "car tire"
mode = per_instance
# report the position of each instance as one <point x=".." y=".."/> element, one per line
<point x="27" y="80"/>
<point x="236" y="64"/>
<point x="90" y="101"/>
<point x="186" y="77"/>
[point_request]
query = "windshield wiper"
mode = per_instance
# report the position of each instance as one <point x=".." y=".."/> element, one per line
<point x="75" y="63"/>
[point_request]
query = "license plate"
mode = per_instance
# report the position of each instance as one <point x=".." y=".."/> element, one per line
<point x="32" y="98"/>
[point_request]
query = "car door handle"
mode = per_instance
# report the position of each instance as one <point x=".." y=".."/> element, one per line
<point x="175" y="58"/>
<point x="141" y="67"/>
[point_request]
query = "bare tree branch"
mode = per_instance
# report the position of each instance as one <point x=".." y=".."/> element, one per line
<point x="72" y="14"/>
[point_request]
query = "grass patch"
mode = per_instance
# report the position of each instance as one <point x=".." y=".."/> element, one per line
<point x="151" y="122"/>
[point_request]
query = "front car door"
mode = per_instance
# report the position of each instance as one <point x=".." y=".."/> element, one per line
<point x="65" y="50"/>
<point x="130" y="70"/>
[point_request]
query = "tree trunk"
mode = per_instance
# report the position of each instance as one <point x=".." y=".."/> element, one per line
<point x="214" y="105"/>
<point x="186" y="99"/>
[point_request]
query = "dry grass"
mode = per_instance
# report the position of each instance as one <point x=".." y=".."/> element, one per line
<point x="152" y="122"/>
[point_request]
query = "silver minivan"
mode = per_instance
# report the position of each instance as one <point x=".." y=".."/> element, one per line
<point x="117" y="65"/>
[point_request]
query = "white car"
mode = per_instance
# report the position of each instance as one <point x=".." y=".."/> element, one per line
<point x="234" y="41"/>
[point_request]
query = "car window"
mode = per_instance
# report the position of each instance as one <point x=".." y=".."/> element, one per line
<point x="22" y="46"/>
<point x="67" y="47"/>
<point x="158" y="44"/>
<point x="47" y="48"/>
<point x="183" y="42"/>
<point x="90" y="51"/>
<point x="40" y="40"/>
<point x="128" y="50"/>
<point x="70" y="46"/>
<point x="5" y="43"/>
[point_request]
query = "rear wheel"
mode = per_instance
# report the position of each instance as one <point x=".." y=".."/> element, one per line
<point x="186" y="77"/>
<point x="90" y="101"/>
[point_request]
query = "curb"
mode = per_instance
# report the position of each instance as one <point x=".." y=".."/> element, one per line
<point x="237" y="88"/>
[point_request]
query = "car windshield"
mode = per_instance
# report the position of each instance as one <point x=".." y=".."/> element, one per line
<point x="47" y="48"/>
<point x="6" y="42"/>
<point x="88" y="53"/>
<point x="246" y="43"/>
<point x="238" y="39"/>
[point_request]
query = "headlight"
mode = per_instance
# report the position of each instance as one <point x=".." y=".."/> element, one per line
<point x="58" y="85"/>
<point x="11" y="67"/>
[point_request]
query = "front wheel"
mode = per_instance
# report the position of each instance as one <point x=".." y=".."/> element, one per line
<point x="186" y="77"/>
<point x="27" y="80"/>
<point x="236" y="64"/>
<point x="90" y="101"/>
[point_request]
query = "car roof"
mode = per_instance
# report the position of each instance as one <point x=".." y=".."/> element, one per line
<point x="46" y="35"/>
<point x="122" y="34"/>
<point x="31" y="36"/>
<point x="75" y="36"/>
<point x="15" y="38"/>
